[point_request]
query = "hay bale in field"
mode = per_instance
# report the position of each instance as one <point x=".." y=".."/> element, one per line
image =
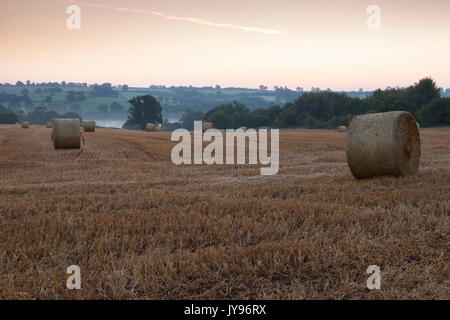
<point x="158" y="129"/>
<point x="49" y="124"/>
<point x="89" y="126"/>
<point x="25" y="124"/>
<point x="242" y="128"/>
<point x="342" y="129"/>
<point x="207" y="125"/>
<point x="150" y="127"/>
<point x="418" y="125"/>
<point x="66" y="133"/>
<point x="383" y="144"/>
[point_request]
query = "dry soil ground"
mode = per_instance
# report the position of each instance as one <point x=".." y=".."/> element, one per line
<point x="140" y="227"/>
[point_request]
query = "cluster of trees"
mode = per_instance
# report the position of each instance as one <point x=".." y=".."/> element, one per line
<point x="40" y="115"/>
<point x="7" y="116"/>
<point x="51" y="90"/>
<point x="177" y="100"/>
<point x="104" y="90"/>
<point x="15" y="101"/>
<point x="75" y="96"/>
<point x="329" y="109"/>
<point x="229" y="116"/>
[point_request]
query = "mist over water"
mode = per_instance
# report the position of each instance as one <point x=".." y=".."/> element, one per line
<point x="114" y="123"/>
<point x="110" y="123"/>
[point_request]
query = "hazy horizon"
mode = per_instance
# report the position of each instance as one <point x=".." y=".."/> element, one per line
<point x="321" y="44"/>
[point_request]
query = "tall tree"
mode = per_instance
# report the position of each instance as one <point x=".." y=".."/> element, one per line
<point x="144" y="109"/>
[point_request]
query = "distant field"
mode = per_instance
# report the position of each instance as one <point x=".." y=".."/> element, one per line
<point x="140" y="227"/>
<point x="89" y="104"/>
<point x="175" y="101"/>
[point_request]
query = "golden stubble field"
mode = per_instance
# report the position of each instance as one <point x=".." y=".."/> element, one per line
<point x="140" y="227"/>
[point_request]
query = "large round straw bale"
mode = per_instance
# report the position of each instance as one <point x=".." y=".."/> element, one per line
<point x="383" y="144"/>
<point x="66" y="133"/>
<point x="49" y="124"/>
<point x="89" y="126"/>
<point x="342" y="129"/>
<point x="207" y="125"/>
<point x="25" y="124"/>
<point x="150" y="127"/>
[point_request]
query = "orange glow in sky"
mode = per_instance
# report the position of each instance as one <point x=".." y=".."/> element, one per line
<point x="232" y="43"/>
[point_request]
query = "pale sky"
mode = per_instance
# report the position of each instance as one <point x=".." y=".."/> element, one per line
<point x="241" y="43"/>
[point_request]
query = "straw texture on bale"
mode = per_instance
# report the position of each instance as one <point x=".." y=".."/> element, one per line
<point x="207" y="125"/>
<point x="49" y="124"/>
<point x="342" y="129"/>
<point x="383" y="144"/>
<point x="89" y="126"/>
<point x="150" y="127"/>
<point x="66" y="133"/>
<point x="25" y="124"/>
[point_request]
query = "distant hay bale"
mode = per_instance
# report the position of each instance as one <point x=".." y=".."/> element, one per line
<point x="418" y="125"/>
<point x="150" y="127"/>
<point x="66" y="133"/>
<point x="25" y="125"/>
<point x="342" y="129"/>
<point x="381" y="144"/>
<point x="49" y="124"/>
<point x="207" y="125"/>
<point x="243" y="128"/>
<point x="89" y="126"/>
<point x="159" y="129"/>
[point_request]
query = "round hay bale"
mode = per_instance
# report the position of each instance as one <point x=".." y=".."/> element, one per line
<point x="207" y="125"/>
<point x="342" y="129"/>
<point x="66" y="133"/>
<point x="159" y="129"/>
<point x="381" y="144"/>
<point x="49" y="124"/>
<point x="89" y="126"/>
<point x="150" y="127"/>
<point x="25" y="124"/>
<point x="418" y="125"/>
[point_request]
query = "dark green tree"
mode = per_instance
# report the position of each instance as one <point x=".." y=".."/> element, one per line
<point x="144" y="109"/>
<point x="7" y="117"/>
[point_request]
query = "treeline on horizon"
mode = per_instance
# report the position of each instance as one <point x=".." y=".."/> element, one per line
<point x="311" y="110"/>
<point x="327" y="110"/>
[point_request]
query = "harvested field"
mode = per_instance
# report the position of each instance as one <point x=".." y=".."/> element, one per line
<point x="140" y="227"/>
